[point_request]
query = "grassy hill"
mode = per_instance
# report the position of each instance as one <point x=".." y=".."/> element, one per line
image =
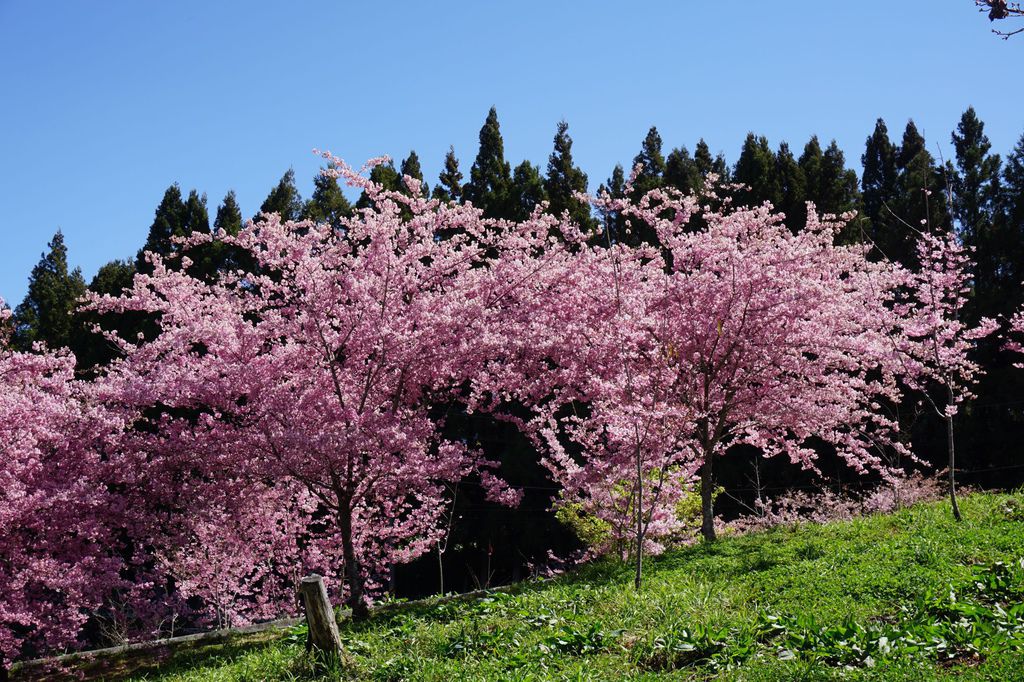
<point x="908" y="596"/>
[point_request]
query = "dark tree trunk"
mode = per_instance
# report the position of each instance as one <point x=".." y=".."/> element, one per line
<point x="353" y="574"/>
<point x="638" y="578"/>
<point x="707" y="489"/>
<point x="952" y="471"/>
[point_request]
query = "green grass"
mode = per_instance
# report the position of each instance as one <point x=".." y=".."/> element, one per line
<point x="592" y="625"/>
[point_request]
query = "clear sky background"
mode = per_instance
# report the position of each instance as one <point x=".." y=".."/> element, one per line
<point x="105" y="104"/>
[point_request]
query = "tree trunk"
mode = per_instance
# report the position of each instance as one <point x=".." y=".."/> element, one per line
<point x="323" y="628"/>
<point x="440" y="566"/>
<point x="353" y="574"/>
<point x="952" y="471"/>
<point x="707" y="489"/>
<point x="638" y="578"/>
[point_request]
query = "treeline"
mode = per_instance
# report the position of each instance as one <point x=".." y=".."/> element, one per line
<point x="902" y="190"/>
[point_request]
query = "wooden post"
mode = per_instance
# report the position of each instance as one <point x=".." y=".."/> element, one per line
<point x="323" y="628"/>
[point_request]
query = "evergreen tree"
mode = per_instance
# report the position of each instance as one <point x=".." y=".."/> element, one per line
<point x="976" y="207"/>
<point x="45" y="315"/>
<point x="880" y="189"/>
<point x="384" y="175"/>
<point x="682" y="171"/>
<point x="702" y="158"/>
<point x="755" y="169"/>
<point x="196" y="218"/>
<point x="921" y="195"/>
<point x="838" y="193"/>
<point x="792" y="188"/>
<point x="811" y="161"/>
<point x="649" y="170"/>
<point x="1013" y="210"/>
<point x="411" y="167"/>
<point x="613" y="224"/>
<point x="527" y="191"/>
<point x="651" y="161"/>
<point x="169" y="222"/>
<point x="284" y="199"/>
<point x="229" y="215"/>
<point x="710" y="164"/>
<point x="218" y="257"/>
<point x="564" y="179"/>
<point x="449" y="187"/>
<point x="328" y="203"/>
<point x="490" y="178"/>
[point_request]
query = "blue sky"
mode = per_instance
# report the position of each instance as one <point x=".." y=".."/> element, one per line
<point x="104" y="104"/>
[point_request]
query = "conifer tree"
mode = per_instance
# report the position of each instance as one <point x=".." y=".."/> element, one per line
<point x="792" y="188"/>
<point x="384" y="175"/>
<point x="649" y="167"/>
<point x="702" y="158"/>
<point x="613" y="224"/>
<point x="229" y="215"/>
<point x="921" y="192"/>
<point x="449" y="187"/>
<point x="284" y="199"/>
<point x="682" y="172"/>
<point x="169" y="222"/>
<point x="490" y="178"/>
<point x="328" y="203"/>
<point x="1013" y="211"/>
<point x="564" y="179"/>
<point x="527" y="191"/>
<point x="45" y="315"/>
<point x="838" y="193"/>
<point x="879" y="183"/>
<point x="976" y="207"/>
<point x="411" y="167"/>
<point x="651" y="161"/>
<point x="755" y="169"/>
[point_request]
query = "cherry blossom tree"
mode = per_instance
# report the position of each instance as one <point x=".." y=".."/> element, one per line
<point x="312" y="382"/>
<point x="57" y="545"/>
<point x="935" y="341"/>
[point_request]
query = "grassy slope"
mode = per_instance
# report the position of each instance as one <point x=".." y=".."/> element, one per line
<point x="867" y="568"/>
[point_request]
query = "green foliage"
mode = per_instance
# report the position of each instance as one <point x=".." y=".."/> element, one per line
<point x="490" y="178"/>
<point x="328" y="203"/>
<point x="564" y="179"/>
<point x="284" y="199"/>
<point x="591" y="531"/>
<point x="756" y="170"/>
<point x="449" y="187"/>
<point x="45" y="315"/>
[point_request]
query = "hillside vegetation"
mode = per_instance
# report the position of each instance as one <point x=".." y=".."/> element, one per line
<point x="912" y="595"/>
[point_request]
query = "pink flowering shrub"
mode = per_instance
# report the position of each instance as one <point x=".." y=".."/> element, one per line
<point x="826" y="505"/>
<point x="57" y="519"/>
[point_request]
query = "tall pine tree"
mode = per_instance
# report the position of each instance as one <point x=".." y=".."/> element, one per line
<point x="880" y="193"/>
<point x="682" y="172"/>
<point x="792" y="188"/>
<point x="980" y="222"/>
<point x="526" y="192"/>
<point x="490" y="178"/>
<point x="613" y="224"/>
<point x="564" y="179"/>
<point x="328" y="203"/>
<point x="449" y="186"/>
<point x="755" y="169"/>
<point x="46" y="313"/>
<point x="411" y="167"/>
<point x="284" y="199"/>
